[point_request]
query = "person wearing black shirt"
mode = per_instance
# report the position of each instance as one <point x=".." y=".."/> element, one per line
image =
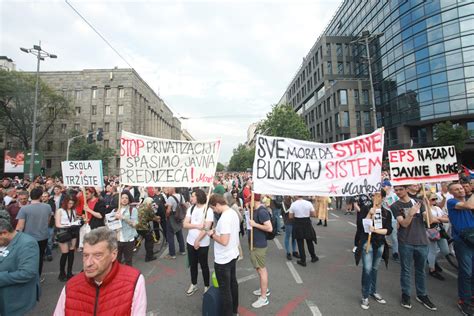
<point x="371" y="258"/>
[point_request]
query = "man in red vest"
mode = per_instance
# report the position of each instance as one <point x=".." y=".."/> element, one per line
<point x="106" y="287"/>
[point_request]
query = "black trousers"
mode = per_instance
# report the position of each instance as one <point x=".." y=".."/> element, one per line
<point x="228" y="287"/>
<point x="147" y="235"/>
<point x="310" y="244"/>
<point x="42" y="248"/>
<point x="125" y="249"/>
<point x="195" y="257"/>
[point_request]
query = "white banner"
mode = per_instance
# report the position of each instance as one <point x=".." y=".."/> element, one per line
<point x="83" y="173"/>
<point x="149" y="161"/>
<point x="286" y="166"/>
<point x="423" y="165"/>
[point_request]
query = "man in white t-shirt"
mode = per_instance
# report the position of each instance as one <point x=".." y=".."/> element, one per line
<point x="198" y="220"/>
<point x="226" y="253"/>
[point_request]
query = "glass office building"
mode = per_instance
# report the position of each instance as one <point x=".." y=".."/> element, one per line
<point x="422" y="63"/>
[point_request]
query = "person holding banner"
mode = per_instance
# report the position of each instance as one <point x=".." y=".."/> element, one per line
<point x="198" y="220"/>
<point x="412" y="245"/>
<point x="302" y="211"/>
<point x="461" y="216"/>
<point x="226" y="253"/>
<point x="128" y="216"/>
<point x="379" y="225"/>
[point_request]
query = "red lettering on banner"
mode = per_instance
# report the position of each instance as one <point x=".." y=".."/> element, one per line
<point x="401" y="156"/>
<point x="204" y="178"/>
<point x="369" y="144"/>
<point x="130" y="147"/>
<point x="351" y="167"/>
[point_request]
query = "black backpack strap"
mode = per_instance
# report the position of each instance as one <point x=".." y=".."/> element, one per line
<point x="192" y="209"/>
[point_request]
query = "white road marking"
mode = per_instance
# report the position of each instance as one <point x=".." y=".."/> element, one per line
<point x="278" y="244"/>
<point x="351" y="223"/>
<point x="313" y="308"/>
<point x="293" y="271"/>
<point x="247" y="278"/>
<point x="337" y="216"/>
<point x="164" y="254"/>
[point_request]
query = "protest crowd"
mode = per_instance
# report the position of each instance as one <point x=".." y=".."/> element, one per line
<point x="412" y="224"/>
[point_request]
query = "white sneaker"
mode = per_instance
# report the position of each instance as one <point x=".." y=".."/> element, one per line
<point x="379" y="298"/>
<point x="192" y="289"/>
<point x="206" y="288"/>
<point x="364" y="303"/>
<point x="354" y="249"/>
<point x="259" y="292"/>
<point x="260" y="302"/>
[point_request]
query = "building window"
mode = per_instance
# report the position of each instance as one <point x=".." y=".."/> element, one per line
<point x="328" y="49"/>
<point x="63" y="128"/>
<point x="78" y="94"/>
<point x="117" y="162"/>
<point x="340" y="68"/>
<point x="62" y="146"/>
<point x="342" y="97"/>
<point x="120" y="109"/>
<point x="49" y="164"/>
<point x="106" y="127"/>
<point x="107" y="92"/>
<point x="94" y="110"/>
<point x="107" y="110"/>
<point x="9" y="145"/>
<point x="336" y="120"/>
<point x="339" y="50"/>
<point x="367" y="119"/>
<point x="78" y="110"/>
<point x="119" y="127"/>
<point x="117" y="144"/>
<point x="348" y="68"/>
<point x="358" y="119"/>
<point x="470" y="129"/>
<point x="121" y="91"/>
<point x="93" y="126"/>
<point x="49" y="146"/>
<point x="345" y="119"/>
<point x="365" y="96"/>
<point x="51" y="111"/>
<point x="77" y="127"/>
<point x="356" y="97"/>
<point x="329" y="68"/>
<point x="94" y="92"/>
<point x="106" y="143"/>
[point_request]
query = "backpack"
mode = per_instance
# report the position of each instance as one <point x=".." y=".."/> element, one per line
<point x="271" y="235"/>
<point x="278" y="201"/>
<point x="181" y="208"/>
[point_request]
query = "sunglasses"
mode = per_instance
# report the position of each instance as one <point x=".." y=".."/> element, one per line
<point x="433" y="199"/>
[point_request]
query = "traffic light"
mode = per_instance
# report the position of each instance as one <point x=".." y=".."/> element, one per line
<point x="90" y="137"/>
<point x="100" y="134"/>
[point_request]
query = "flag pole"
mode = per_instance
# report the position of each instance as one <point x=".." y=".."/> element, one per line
<point x="251" y="217"/>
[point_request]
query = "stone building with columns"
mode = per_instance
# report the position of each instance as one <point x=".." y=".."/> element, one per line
<point x="111" y="99"/>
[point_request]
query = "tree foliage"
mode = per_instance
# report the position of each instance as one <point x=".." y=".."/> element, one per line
<point x="283" y="121"/>
<point x="17" y="97"/>
<point x="81" y="150"/>
<point x="242" y="158"/>
<point x="447" y="134"/>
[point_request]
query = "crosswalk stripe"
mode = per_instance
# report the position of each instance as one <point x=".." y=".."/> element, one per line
<point x="314" y="308"/>
<point x="293" y="271"/>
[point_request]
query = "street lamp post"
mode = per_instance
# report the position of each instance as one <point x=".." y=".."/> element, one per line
<point x="40" y="55"/>
<point x="366" y="38"/>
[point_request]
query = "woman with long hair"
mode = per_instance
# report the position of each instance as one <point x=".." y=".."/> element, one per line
<point x="65" y="218"/>
<point x="128" y="215"/>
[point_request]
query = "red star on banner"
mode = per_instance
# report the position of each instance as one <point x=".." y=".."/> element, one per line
<point x="333" y="189"/>
<point x="80" y="172"/>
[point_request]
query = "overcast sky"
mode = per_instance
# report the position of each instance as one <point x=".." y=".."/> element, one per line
<point x="222" y="64"/>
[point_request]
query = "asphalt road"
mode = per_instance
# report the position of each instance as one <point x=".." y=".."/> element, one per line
<point x="328" y="287"/>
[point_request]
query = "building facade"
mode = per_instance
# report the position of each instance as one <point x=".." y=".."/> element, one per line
<point x="422" y="64"/>
<point x="111" y="99"/>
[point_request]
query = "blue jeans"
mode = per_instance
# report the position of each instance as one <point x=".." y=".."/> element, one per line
<point x="433" y="246"/>
<point x="49" y="247"/>
<point x="465" y="256"/>
<point x="408" y="254"/>
<point x="276" y="214"/>
<point x="370" y="266"/>
<point x="288" y="236"/>
<point x="170" y="238"/>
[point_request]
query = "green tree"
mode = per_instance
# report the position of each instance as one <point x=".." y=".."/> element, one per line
<point x="283" y="121"/>
<point x="81" y="150"/>
<point x="17" y="95"/>
<point x="220" y="167"/>
<point x="242" y="158"/>
<point x="445" y="134"/>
